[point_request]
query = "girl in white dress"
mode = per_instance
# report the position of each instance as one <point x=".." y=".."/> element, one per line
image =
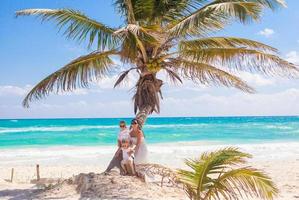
<point x="137" y="138"/>
<point x="127" y="162"/>
<point x="124" y="133"/>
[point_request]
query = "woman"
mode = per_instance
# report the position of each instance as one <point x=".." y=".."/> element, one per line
<point x="137" y="138"/>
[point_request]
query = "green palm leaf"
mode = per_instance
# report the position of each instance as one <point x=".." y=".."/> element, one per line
<point x="207" y="74"/>
<point x="242" y="59"/>
<point x="77" y="26"/>
<point x="217" y="14"/>
<point x="134" y="38"/>
<point x="225" y="42"/>
<point x="217" y="175"/>
<point x="154" y="11"/>
<point x="77" y="73"/>
<point x="234" y="182"/>
<point x="126" y="8"/>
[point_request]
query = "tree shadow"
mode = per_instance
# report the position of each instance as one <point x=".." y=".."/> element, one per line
<point x="18" y="194"/>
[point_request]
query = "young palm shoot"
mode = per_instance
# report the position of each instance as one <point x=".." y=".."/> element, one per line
<point x="222" y="175"/>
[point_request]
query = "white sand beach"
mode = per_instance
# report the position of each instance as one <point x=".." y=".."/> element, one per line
<point x="279" y="160"/>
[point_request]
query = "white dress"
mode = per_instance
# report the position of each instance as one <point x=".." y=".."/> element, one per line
<point x="142" y="152"/>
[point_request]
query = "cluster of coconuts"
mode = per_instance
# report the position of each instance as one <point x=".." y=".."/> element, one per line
<point x="153" y="65"/>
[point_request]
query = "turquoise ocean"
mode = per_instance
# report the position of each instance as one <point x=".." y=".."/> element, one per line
<point x="22" y="133"/>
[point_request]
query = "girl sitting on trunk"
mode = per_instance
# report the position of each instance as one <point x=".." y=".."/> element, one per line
<point x="127" y="162"/>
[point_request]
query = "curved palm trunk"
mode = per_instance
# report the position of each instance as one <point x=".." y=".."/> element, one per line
<point x="142" y="115"/>
<point x="146" y="102"/>
<point x="147" y="97"/>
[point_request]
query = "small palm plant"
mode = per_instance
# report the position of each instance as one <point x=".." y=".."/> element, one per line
<point x="219" y="175"/>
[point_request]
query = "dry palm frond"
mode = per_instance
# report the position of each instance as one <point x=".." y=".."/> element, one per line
<point x="218" y="175"/>
<point x="173" y="76"/>
<point x="148" y="89"/>
<point x="77" y="26"/>
<point x="207" y="74"/>
<point x="123" y="76"/>
<point x="77" y="73"/>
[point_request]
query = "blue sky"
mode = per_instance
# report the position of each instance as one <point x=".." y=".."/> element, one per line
<point x="31" y="50"/>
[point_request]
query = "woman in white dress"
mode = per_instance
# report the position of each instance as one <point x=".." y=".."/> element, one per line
<point x="137" y="138"/>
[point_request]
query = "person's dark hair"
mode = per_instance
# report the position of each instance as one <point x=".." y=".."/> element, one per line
<point x="122" y="122"/>
<point x="124" y="140"/>
<point x="139" y="127"/>
<point x="134" y="121"/>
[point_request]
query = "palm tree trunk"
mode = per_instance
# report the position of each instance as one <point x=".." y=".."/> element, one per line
<point x="142" y="115"/>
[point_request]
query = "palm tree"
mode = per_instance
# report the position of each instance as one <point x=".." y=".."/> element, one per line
<point x="218" y="175"/>
<point x="170" y="36"/>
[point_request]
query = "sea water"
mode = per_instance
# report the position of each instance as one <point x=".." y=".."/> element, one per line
<point x="102" y="131"/>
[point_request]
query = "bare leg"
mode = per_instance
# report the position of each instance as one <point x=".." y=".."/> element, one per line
<point x="131" y="164"/>
<point x="115" y="162"/>
<point x="123" y="165"/>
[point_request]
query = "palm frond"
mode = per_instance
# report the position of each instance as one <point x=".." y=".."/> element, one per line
<point x="126" y="9"/>
<point x="173" y="76"/>
<point x="129" y="50"/>
<point x="242" y="59"/>
<point x="122" y="77"/>
<point x="141" y="33"/>
<point x="234" y="182"/>
<point x="76" y="26"/>
<point x="143" y="9"/>
<point x="167" y="11"/>
<point x="225" y="42"/>
<point x="215" y="16"/>
<point x="130" y="12"/>
<point x="217" y="175"/>
<point x="154" y="11"/>
<point x="210" y="163"/>
<point x="134" y="40"/>
<point x="272" y="4"/>
<point x="77" y="73"/>
<point x="207" y="74"/>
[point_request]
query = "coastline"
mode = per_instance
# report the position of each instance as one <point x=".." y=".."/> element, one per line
<point x="278" y="159"/>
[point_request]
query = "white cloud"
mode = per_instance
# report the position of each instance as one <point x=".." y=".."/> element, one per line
<point x="202" y="104"/>
<point x="10" y="90"/>
<point x="256" y="79"/>
<point x="293" y="56"/>
<point x="267" y="32"/>
<point x="279" y="103"/>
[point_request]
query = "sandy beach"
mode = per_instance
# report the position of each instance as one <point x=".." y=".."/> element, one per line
<point x="279" y="160"/>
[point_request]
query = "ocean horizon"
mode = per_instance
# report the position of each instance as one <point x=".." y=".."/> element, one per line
<point x="24" y="133"/>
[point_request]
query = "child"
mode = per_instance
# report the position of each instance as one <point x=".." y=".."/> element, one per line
<point x="128" y="158"/>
